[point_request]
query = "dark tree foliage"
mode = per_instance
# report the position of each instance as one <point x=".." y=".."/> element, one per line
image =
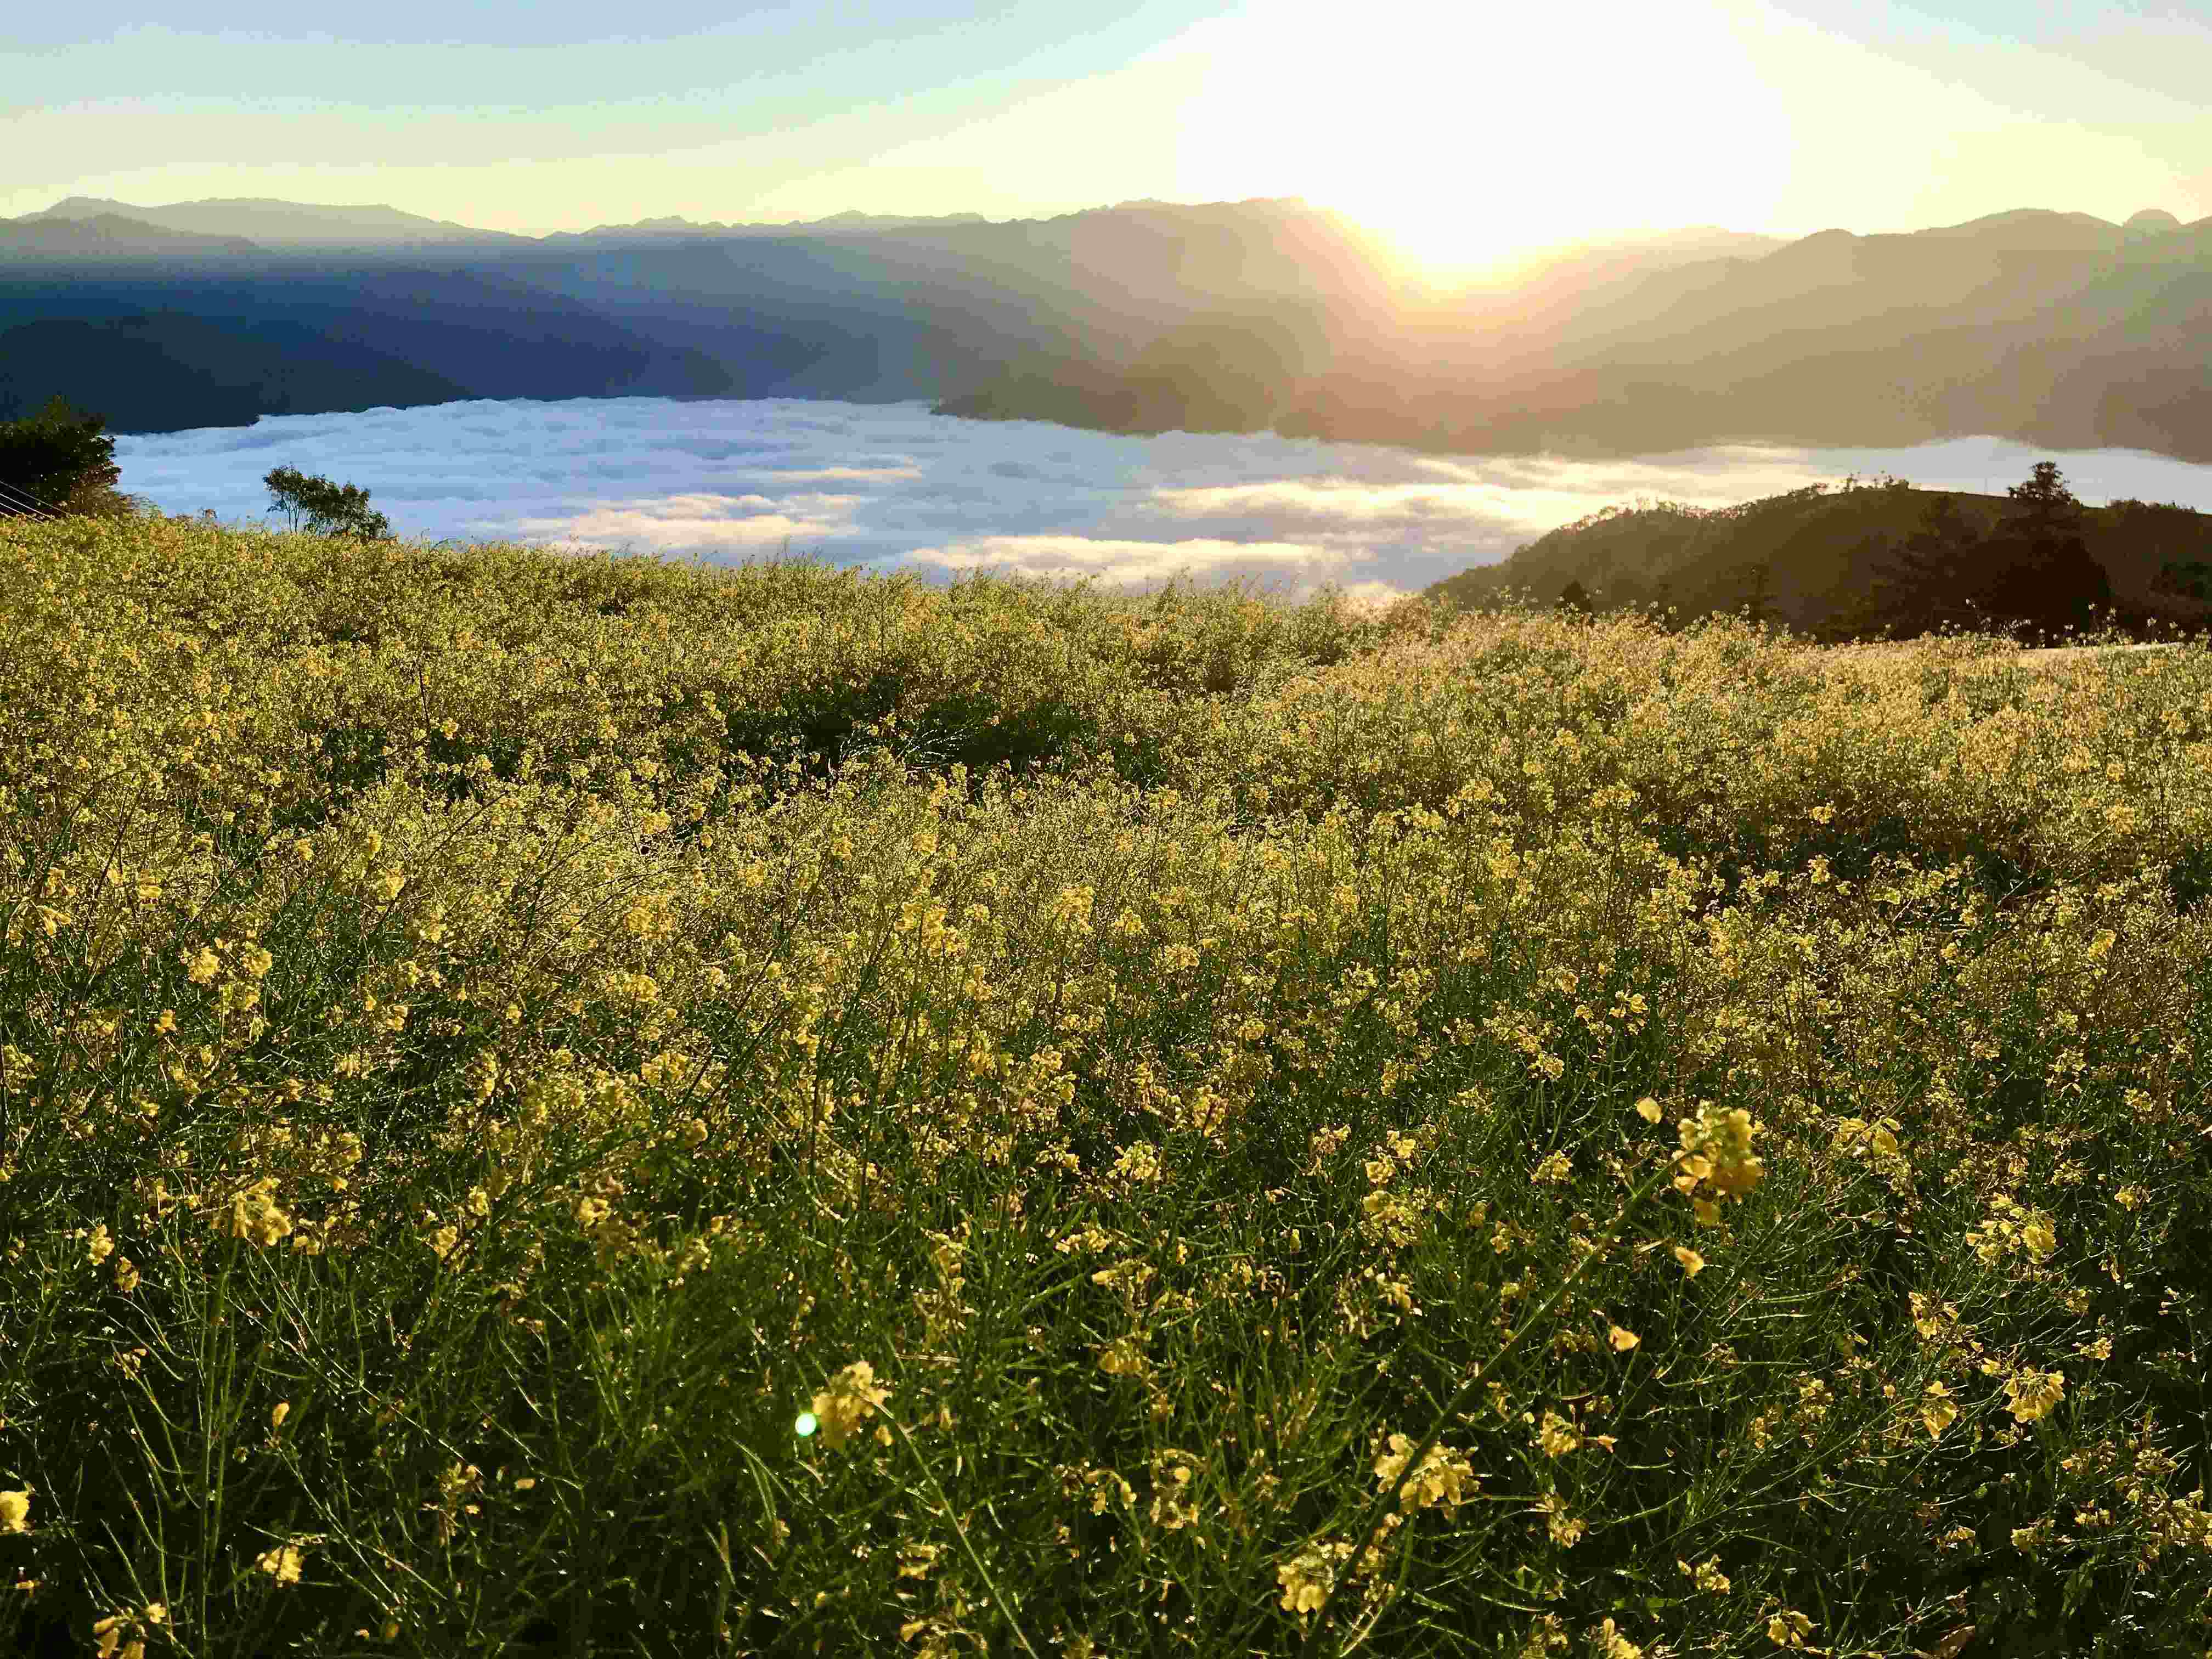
<point x="2190" y="579"/>
<point x="2043" y="503"/>
<point x="2032" y="575"/>
<point x="60" y="459"/>
<point x="1575" y="599"/>
<point x="322" y="507"/>
<point x="1929" y="583"/>
<point x="2039" y="578"/>
<point x="1758" y="597"/>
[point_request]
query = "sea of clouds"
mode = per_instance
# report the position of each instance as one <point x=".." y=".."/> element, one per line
<point x="890" y="486"/>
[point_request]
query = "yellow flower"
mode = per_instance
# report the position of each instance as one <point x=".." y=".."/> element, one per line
<point x="1567" y="1531"/>
<point x="1612" y="1644"/>
<point x="1716" y="1153"/>
<point x="282" y="1564"/>
<point x="119" y="1636"/>
<point x="1556" y="1436"/>
<point x="1787" y="1629"/>
<point x="2033" y="1393"/>
<point x="1623" y="1340"/>
<point x="1937" y="1412"/>
<point x="850" y="1399"/>
<point x="1306" y="1580"/>
<point x="1444" y="1477"/>
<point x="1692" y="1263"/>
<point x="254" y="1213"/>
<point x="202" y="969"/>
<point x="16" y="1510"/>
<point x="1707" y="1575"/>
<point x="1124" y="1356"/>
<point x="126" y="1276"/>
<point x="1649" y="1109"/>
<point x="278" y="1412"/>
<point x="100" y="1247"/>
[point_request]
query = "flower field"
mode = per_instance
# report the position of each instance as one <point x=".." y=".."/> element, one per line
<point x="560" y="1105"/>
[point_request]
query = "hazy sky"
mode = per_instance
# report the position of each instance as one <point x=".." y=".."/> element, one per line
<point x="1464" y="128"/>
<point x="890" y="486"/>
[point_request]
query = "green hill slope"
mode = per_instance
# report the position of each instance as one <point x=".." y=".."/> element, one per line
<point x="1810" y="557"/>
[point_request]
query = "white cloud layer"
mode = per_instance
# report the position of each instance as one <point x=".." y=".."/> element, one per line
<point x="890" y="486"/>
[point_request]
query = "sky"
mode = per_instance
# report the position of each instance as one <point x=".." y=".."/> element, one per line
<point x="890" y="486"/>
<point x="1465" y="132"/>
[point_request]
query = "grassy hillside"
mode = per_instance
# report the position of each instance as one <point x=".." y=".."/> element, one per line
<point x="556" y="1105"/>
<point x="1812" y="555"/>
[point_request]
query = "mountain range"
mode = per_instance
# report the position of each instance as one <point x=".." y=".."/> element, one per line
<point x="2057" y="328"/>
<point x="249" y="225"/>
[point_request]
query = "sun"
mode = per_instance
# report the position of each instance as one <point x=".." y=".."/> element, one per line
<point x="1427" y="254"/>
<point x="1467" y="136"/>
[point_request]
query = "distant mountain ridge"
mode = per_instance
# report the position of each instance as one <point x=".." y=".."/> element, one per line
<point x="2058" y="329"/>
<point x="112" y="236"/>
<point x="673" y="225"/>
<point x="268" y="223"/>
<point x="264" y="224"/>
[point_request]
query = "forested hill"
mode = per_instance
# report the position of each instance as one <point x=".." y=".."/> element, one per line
<point x="1831" y="562"/>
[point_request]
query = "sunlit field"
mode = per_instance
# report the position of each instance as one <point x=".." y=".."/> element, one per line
<point x="553" y="1105"/>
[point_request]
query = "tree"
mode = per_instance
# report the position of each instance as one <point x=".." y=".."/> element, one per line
<point x="2188" y="579"/>
<point x="324" y="508"/>
<point x="1575" y="599"/>
<point x="2043" y="503"/>
<point x="2033" y="574"/>
<point x="1933" y="580"/>
<point x="2039" y="575"/>
<point x="58" y="459"/>
<point x="1759" y="605"/>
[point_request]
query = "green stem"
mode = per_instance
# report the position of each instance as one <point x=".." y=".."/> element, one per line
<point x="213" y="1466"/>
<point x="960" y="1532"/>
<point x="1391" y="1495"/>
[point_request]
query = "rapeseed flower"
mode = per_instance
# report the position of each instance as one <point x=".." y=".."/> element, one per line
<point x="122" y="1635"/>
<point x="850" y="1398"/>
<point x="1307" y="1579"/>
<point x="1937" y="1410"/>
<point x="1445" y="1477"/>
<point x="254" y="1213"/>
<point x="1707" y="1575"/>
<point x="1556" y="1436"/>
<point x="1789" y="1629"/>
<point x="2031" y="1394"/>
